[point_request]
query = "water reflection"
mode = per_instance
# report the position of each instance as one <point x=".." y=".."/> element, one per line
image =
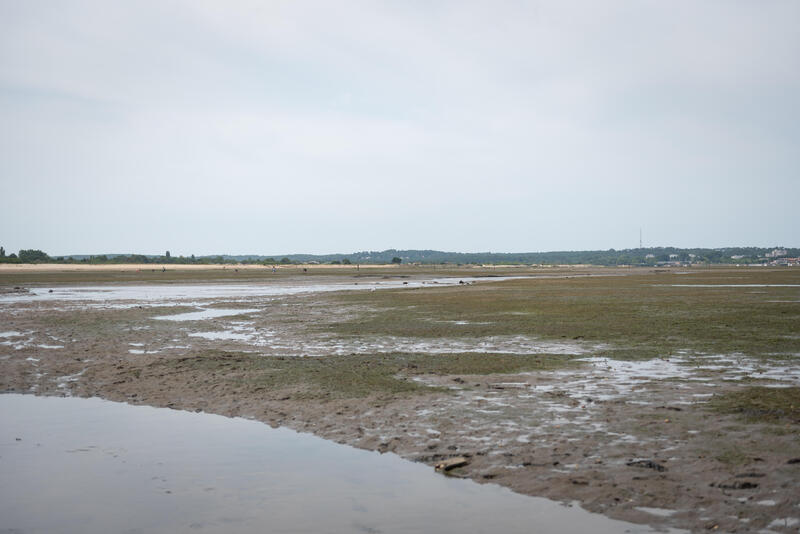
<point x="91" y="466"/>
<point x="204" y="314"/>
<point x="165" y="293"/>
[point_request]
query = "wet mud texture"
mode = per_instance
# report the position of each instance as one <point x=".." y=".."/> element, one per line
<point x="645" y="441"/>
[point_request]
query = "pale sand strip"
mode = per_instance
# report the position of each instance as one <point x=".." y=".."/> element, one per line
<point x="83" y="267"/>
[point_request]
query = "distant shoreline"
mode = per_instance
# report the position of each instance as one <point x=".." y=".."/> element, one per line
<point x="75" y="267"/>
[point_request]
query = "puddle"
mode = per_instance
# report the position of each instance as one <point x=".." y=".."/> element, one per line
<point x="463" y="323"/>
<point x="786" y="522"/>
<point x="10" y="333"/>
<point x="731" y="367"/>
<point x="156" y="293"/>
<point x="63" y="381"/>
<point x="660" y="512"/>
<point x="204" y="314"/>
<point x="277" y="342"/>
<point x="570" y="403"/>
<point x="91" y="466"/>
<point x="223" y="335"/>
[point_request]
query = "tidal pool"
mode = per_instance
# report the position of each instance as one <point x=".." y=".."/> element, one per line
<point x="204" y="314"/>
<point x="93" y="466"/>
<point x="166" y="293"/>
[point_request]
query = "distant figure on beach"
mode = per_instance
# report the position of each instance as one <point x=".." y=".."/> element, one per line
<point x="273" y="269"/>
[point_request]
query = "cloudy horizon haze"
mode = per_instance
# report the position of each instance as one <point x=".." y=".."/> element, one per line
<point x="282" y="127"/>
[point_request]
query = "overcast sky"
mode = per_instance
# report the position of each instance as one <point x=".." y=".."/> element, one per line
<point x="281" y="127"/>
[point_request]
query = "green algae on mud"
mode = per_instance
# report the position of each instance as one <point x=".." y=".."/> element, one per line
<point x="776" y="405"/>
<point x="639" y="316"/>
<point x="99" y="322"/>
<point x="350" y="376"/>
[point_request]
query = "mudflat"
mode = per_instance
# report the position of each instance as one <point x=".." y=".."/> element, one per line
<point x="659" y="396"/>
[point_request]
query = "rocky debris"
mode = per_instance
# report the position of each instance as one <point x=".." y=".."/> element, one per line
<point x="15" y="289"/>
<point x="451" y="463"/>
<point x="736" y="485"/>
<point x="646" y="464"/>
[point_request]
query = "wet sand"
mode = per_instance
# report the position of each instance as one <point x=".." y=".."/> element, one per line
<point x="633" y="440"/>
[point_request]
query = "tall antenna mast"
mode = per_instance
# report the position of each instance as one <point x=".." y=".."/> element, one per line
<point x="640" y="237"/>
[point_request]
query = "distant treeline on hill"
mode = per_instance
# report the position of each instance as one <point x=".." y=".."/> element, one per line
<point x="639" y="256"/>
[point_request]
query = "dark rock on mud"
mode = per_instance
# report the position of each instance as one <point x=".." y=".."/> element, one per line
<point x="737" y="485"/>
<point x="646" y="464"/>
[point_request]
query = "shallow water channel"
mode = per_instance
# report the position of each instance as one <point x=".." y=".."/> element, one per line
<point x="165" y="293"/>
<point x="92" y="466"/>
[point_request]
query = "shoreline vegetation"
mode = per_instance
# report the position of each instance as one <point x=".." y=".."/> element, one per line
<point x="651" y="256"/>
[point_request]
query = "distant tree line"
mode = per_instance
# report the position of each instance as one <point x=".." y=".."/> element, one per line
<point x="640" y="256"/>
<point x="24" y="256"/>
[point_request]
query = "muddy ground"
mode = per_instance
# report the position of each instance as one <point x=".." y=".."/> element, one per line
<point x="698" y="433"/>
